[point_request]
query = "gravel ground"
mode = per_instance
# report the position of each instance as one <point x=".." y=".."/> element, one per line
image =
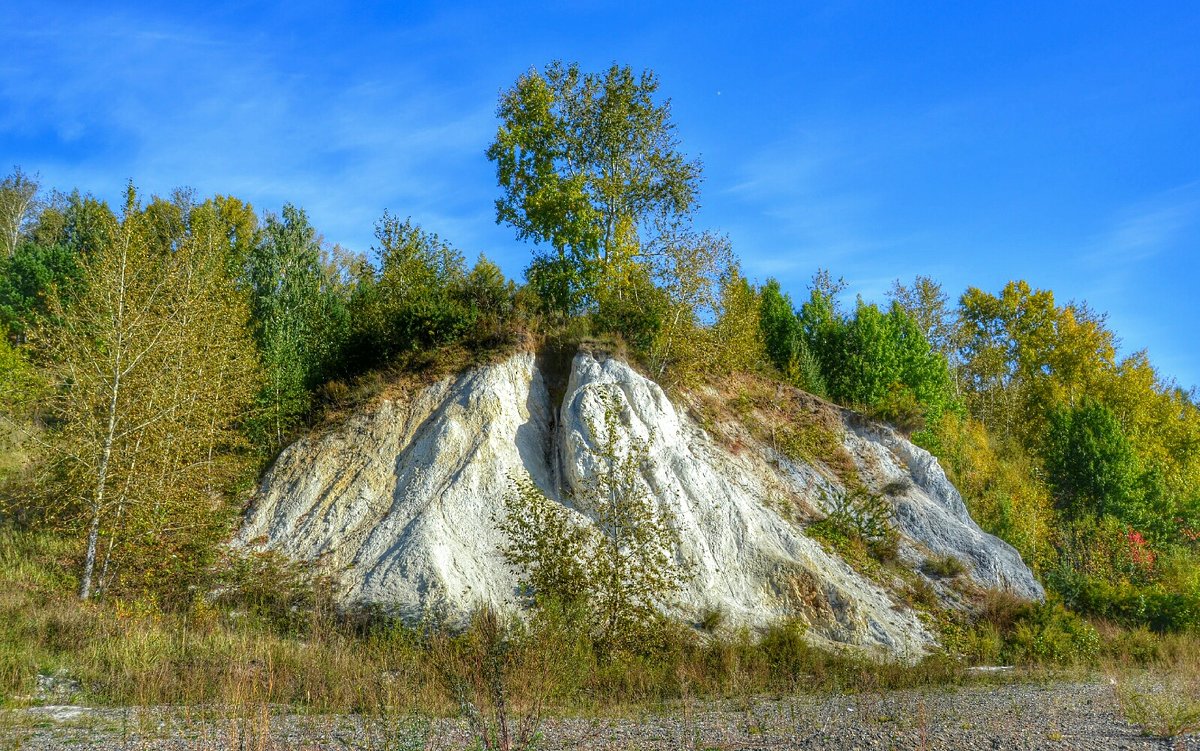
<point x="1008" y="716"/>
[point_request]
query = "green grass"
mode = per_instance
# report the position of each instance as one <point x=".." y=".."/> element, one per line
<point x="125" y="653"/>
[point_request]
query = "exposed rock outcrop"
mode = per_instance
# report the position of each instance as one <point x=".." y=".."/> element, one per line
<point x="401" y="503"/>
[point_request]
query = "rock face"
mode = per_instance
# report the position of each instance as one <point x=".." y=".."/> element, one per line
<point x="402" y="503"/>
<point x="930" y="511"/>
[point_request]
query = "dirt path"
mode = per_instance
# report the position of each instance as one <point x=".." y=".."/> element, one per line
<point x="1075" y="716"/>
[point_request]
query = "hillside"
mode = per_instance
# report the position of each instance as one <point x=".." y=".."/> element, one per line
<point x="402" y="503"/>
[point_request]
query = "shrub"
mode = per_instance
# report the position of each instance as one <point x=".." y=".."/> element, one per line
<point x="276" y="590"/>
<point x="711" y="619"/>
<point x="785" y="649"/>
<point x="857" y="515"/>
<point x="1003" y="609"/>
<point x="944" y="567"/>
<point x="615" y="551"/>
<point x="920" y="594"/>
<point x="481" y="670"/>
<point x="1164" y="705"/>
<point x="1051" y="633"/>
<point x="634" y="310"/>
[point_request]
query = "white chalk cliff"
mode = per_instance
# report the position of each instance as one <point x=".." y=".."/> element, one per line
<point x="401" y="503"/>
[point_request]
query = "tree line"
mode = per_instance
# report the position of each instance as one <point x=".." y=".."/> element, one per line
<point x="157" y="355"/>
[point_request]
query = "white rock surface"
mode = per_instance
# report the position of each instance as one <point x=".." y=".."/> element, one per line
<point x="930" y="511"/>
<point x="402" y="501"/>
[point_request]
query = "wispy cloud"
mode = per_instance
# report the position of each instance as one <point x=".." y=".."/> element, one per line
<point x="167" y="103"/>
<point x="1149" y="227"/>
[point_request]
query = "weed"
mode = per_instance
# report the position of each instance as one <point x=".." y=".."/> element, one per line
<point x="857" y="515"/>
<point x="944" y="567"/>
<point x="1164" y="704"/>
<point x="711" y="619"/>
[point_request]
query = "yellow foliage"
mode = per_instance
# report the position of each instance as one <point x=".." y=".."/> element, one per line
<point x="999" y="483"/>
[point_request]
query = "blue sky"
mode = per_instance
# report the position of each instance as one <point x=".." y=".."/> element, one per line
<point x="973" y="142"/>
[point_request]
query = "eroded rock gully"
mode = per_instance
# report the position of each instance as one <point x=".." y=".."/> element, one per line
<point x="400" y="502"/>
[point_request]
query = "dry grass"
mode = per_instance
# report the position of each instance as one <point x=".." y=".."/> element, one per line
<point x="1155" y="679"/>
<point x="127" y="654"/>
<point x="746" y="409"/>
<point x="1164" y="703"/>
<point x="407" y="375"/>
<point x="237" y="669"/>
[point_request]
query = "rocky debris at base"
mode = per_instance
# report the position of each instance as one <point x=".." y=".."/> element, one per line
<point x="1066" y="716"/>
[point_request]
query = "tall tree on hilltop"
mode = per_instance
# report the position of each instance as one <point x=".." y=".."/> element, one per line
<point x="583" y="160"/>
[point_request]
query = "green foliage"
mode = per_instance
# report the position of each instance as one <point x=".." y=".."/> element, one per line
<point x="19" y="382"/>
<point x="1022" y="356"/>
<point x="1000" y="482"/>
<point x="785" y="648"/>
<point x="613" y="550"/>
<point x="782" y="333"/>
<point x="1108" y="569"/>
<point x="549" y="545"/>
<point x="489" y="298"/>
<point x="692" y="271"/>
<point x="857" y="516"/>
<point x="636" y="309"/>
<point x="29" y="279"/>
<point x="45" y="266"/>
<point x="928" y="305"/>
<point x="420" y="296"/>
<point x="268" y="587"/>
<point x="785" y="343"/>
<point x="1090" y="465"/>
<point x="1051" y="633"/>
<point x="882" y="362"/>
<point x="583" y="160"/>
<point x="1009" y="630"/>
<point x="1128" y="603"/>
<point x="300" y="321"/>
<point x="21" y="389"/>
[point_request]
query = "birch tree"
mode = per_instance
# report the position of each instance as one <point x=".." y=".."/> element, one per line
<point x="583" y="160"/>
<point x="18" y="207"/>
<point x="154" y="366"/>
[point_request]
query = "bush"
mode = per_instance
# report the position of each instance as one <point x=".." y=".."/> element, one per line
<point x="275" y="590"/>
<point x="1002" y="610"/>
<point x="785" y="649"/>
<point x="901" y="408"/>
<point x="944" y="567"/>
<point x="614" y="552"/>
<point x="1104" y="573"/>
<point x="634" y="310"/>
<point x="1164" y="705"/>
<point x="858" y="516"/>
<point x="1051" y="633"/>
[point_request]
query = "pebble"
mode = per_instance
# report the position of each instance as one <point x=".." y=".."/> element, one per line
<point x="1009" y="717"/>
